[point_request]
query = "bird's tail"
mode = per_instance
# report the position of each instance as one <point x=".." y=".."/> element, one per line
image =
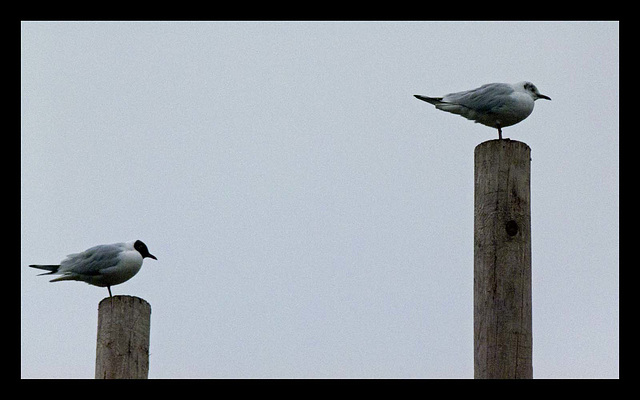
<point x="51" y="268"/>
<point x="433" y="100"/>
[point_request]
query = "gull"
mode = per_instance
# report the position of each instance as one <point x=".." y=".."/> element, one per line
<point x="495" y="104"/>
<point x="102" y="265"/>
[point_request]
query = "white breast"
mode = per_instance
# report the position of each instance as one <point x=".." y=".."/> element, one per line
<point x="129" y="265"/>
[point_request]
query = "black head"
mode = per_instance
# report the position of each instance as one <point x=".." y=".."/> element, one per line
<point x="530" y="87"/>
<point x="142" y="249"/>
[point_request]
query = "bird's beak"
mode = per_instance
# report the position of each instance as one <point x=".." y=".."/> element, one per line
<point x="541" y="96"/>
<point x="152" y="256"/>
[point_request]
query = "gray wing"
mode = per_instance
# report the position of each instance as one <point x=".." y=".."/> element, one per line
<point x="483" y="99"/>
<point x="91" y="261"/>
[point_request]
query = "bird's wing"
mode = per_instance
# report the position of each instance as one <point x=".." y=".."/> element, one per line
<point x="484" y="99"/>
<point x="92" y="261"/>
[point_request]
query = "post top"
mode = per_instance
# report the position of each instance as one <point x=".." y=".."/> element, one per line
<point x="502" y="144"/>
<point x="120" y="298"/>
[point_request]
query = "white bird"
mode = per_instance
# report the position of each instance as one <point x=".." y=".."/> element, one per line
<point x="102" y="265"/>
<point x="495" y="104"/>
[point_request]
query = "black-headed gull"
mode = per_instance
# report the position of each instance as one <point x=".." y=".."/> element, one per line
<point x="102" y="265"/>
<point x="495" y="104"/>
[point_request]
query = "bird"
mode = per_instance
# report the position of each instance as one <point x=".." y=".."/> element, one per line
<point x="101" y="265"/>
<point x="496" y="105"/>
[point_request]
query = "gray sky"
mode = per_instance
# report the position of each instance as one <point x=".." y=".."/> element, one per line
<point x="311" y="218"/>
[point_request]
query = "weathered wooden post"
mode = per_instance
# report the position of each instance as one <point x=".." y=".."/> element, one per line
<point x="502" y="261"/>
<point x="122" y="350"/>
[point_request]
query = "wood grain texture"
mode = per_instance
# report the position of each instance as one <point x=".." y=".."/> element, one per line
<point x="122" y="350"/>
<point x="502" y="261"/>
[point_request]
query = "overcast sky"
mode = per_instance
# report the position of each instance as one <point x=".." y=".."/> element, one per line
<point x="311" y="218"/>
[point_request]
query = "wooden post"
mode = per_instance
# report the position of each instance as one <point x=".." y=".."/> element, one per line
<point x="123" y="338"/>
<point x="502" y="261"/>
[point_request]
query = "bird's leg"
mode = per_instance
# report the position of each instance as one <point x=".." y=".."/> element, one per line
<point x="109" y="289"/>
